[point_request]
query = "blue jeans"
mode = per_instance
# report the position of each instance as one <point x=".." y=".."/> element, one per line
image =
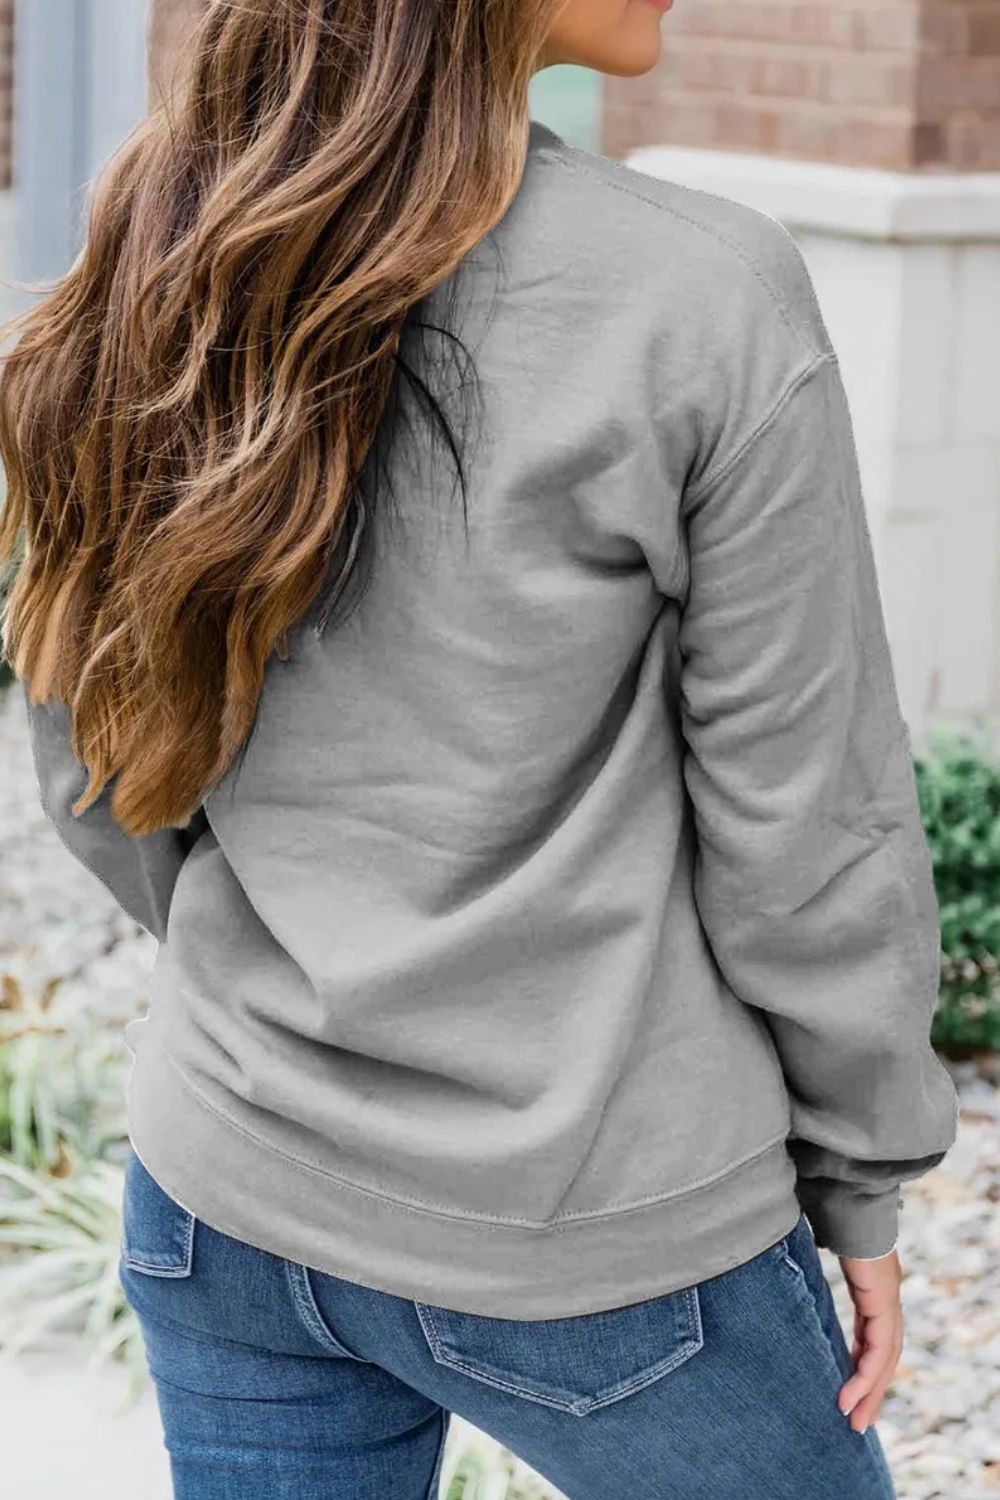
<point x="277" y="1382"/>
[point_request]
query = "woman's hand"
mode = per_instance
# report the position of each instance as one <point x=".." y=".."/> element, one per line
<point x="878" y="1335"/>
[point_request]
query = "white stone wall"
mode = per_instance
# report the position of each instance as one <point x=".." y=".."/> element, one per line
<point x="917" y="329"/>
<point x="907" y="270"/>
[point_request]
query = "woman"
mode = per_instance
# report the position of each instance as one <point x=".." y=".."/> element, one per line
<point x="548" y="939"/>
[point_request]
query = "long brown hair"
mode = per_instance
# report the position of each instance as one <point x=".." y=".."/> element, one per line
<point x="184" y="417"/>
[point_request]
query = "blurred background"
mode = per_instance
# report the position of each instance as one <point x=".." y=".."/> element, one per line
<point x="871" y="128"/>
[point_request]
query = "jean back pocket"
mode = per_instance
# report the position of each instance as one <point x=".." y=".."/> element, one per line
<point x="157" y="1235"/>
<point x="575" y="1364"/>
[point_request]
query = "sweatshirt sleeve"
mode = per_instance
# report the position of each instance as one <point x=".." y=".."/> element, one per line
<point x="139" y="872"/>
<point x="813" y="877"/>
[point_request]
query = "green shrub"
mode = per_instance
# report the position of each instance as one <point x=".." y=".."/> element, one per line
<point x="62" y="1143"/>
<point x="958" y="782"/>
<point x="62" y="1079"/>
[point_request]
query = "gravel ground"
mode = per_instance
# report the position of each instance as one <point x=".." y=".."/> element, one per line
<point x="940" y="1423"/>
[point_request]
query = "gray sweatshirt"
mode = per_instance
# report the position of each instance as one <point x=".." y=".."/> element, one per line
<point x="568" y="923"/>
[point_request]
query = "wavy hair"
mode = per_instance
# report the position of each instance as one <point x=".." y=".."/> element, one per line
<point x="185" y="416"/>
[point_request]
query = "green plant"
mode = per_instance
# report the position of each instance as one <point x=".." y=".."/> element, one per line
<point x="61" y="1238"/>
<point x="958" y="783"/>
<point x="62" y="1142"/>
<point x="477" y="1469"/>
<point x="61" y="1079"/>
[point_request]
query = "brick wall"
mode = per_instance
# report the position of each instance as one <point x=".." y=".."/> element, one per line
<point x="903" y="84"/>
<point x="6" y="92"/>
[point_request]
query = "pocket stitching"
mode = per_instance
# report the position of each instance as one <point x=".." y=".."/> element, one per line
<point x="179" y="1259"/>
<point x="581" y="1405"/>
<point x="152" y="1264"/>
<point x="453" y="1362"/>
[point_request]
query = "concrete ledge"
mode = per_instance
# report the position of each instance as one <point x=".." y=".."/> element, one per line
<point x="857" y="202"/>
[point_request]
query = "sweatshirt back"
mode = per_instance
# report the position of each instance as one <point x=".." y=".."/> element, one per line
<point x="567" y="924"/>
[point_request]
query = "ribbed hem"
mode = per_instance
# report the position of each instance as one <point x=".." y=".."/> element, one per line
<point x="242" y="1186"/>
<point x="849" y="1222"/>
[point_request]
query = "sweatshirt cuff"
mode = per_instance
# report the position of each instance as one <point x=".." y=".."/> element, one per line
<point x="848" y="1221"/>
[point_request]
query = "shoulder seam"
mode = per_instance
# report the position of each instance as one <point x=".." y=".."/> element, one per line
<point x="828" y="357"/>
<point x="573" y="164"/>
